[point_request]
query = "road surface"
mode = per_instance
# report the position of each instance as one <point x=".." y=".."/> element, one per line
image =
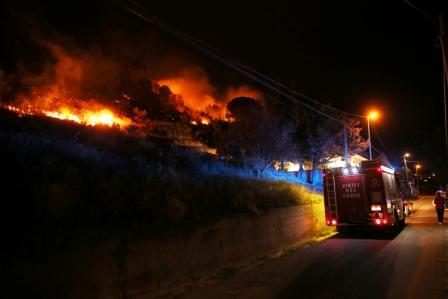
<point x="410" y="264"/>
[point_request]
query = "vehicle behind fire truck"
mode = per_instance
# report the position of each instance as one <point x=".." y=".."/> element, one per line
<point x="364" y="196"/>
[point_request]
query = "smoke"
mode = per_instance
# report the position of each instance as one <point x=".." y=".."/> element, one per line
<point x="198" y="94"/>
<point x="114" y="73"/>
<point x="78" y="74"/>
<point x="194" y="87"/>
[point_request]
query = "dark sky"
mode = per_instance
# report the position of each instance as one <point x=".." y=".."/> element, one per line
<point x="352" y="54"/>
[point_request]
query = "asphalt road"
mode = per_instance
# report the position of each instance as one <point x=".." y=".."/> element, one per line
<point x="410" y="264"/>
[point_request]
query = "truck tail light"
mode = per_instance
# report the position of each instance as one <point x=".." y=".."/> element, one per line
<point x="332" y="222"/>
<point x="379" y="220"/>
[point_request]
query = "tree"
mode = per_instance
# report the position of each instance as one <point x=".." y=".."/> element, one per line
<point x="253" y="136"/>
<point x="321" y="139"/>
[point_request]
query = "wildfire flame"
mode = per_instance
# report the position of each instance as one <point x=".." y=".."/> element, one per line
<point x="205" y="103"/>
<point x="205" y="121"/>
<point x="86" y="117"/>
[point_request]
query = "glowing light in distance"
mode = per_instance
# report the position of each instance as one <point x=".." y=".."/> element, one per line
<point x="373" y="115"/>
<point x="375" y="208"/>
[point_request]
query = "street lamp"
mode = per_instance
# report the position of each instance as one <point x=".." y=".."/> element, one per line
<point x="417" y="167"/>
<point x="406" y="155"/>
<point x="371" y="116"/>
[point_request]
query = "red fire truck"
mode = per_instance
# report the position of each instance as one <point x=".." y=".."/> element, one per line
<point x="362" y="196"/>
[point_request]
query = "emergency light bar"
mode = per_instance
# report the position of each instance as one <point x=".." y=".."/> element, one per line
<point x="387" y="169"/>
<point x="352" y="170"/>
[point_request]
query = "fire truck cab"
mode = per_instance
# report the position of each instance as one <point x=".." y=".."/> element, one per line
<point x="362" y="196"/>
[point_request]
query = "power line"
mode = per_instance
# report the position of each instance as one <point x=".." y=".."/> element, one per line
<point x="248" y="72"/>
<point x="300" y="94"/>
<point x="445" y="79"/>
<point x="420" y="12"/>
<point x="278" y="84"/>
<point x="243" y="70"/>
<point x="247" y="68"/>
<point x="443" y="44"/>
<point x="381" y="141"/>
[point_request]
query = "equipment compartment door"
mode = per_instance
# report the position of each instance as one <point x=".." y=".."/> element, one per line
<point x="351" y="199"/>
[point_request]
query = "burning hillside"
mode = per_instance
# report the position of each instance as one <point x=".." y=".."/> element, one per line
<point x="84" y="112"/>
<point x="81" y="116"/>
<point x="93" y="89"/>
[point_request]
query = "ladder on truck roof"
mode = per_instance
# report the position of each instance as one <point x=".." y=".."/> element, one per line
<point x="331" y="196"/>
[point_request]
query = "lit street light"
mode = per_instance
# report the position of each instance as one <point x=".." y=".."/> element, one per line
<point x="371" y="116"/>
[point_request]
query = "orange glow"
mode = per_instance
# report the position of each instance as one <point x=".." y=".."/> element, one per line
<point x="57" y="95"/>
<point x="373" y="115"/>
<point x="89" y="117"/>
<point x="195" y="92"/>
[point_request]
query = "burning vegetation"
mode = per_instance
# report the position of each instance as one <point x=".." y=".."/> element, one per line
<point x="112" y="83"/>
<point x="84" y="113"/>
<point x="92" y="89"/>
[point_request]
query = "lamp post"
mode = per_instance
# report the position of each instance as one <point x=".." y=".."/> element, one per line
<point x="406" y="155"/>
<point x="417" y="167"/>
<point x="371" y="116"/>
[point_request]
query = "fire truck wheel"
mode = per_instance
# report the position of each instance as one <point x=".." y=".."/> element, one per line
<point x="395" y="225"/>
<point x="402" y="222"/>
<point x="399" y="223"/>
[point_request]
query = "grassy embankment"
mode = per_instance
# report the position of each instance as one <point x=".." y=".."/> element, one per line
<point x="64" y="178"/>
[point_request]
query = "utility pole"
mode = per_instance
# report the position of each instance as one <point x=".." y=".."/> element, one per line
<point x="370" y="140"/>
<point x="406" y="173"/>
<point x="346" y="149"/>
<point x="443" y="38"/>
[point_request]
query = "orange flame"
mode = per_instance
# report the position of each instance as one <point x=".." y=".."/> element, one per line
<point x="91" y="118"/>
<point x="86" y="117"/>
<point x="201" y="98"/>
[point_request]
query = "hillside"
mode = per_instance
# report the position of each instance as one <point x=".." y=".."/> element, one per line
<point x="64" y="178"/>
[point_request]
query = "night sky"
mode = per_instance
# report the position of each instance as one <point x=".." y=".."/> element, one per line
<point x="352" y="54"/>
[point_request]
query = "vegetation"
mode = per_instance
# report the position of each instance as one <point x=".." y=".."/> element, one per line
<point x="59" y="180"/>
<point x="47" y="181"/>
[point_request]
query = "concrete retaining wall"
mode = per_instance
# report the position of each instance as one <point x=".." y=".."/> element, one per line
<point x="149" y="268"/>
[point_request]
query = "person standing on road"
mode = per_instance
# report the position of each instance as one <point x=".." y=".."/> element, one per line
<point x="439" y="203"/>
